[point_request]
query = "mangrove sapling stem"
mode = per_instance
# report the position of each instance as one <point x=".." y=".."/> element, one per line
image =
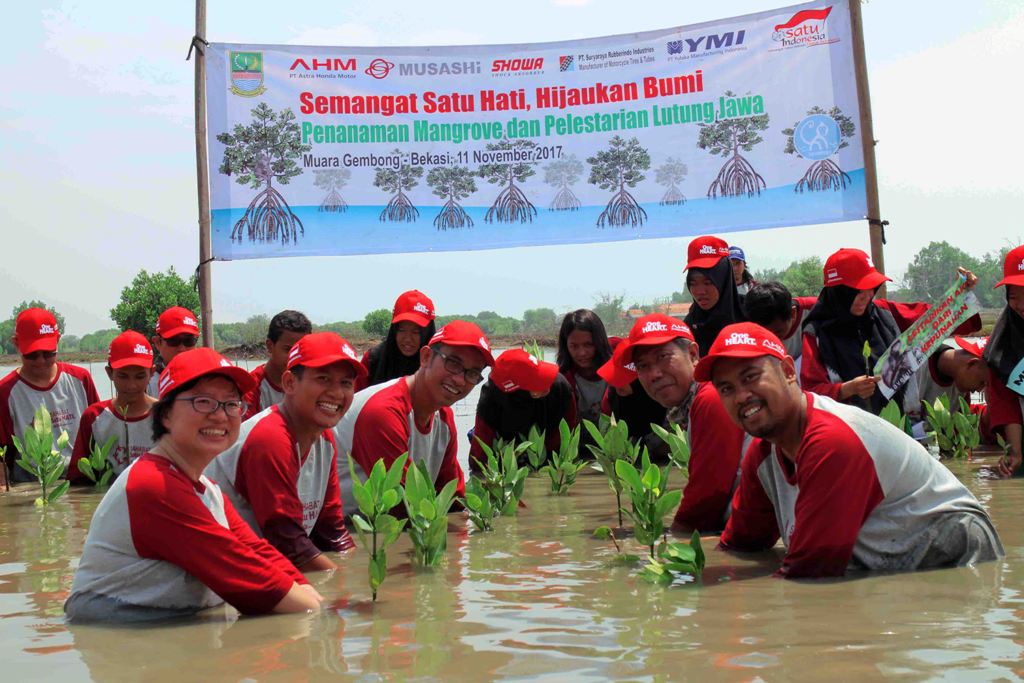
<point x="611" y="445"/>
<point x="375" y="498"/>
<point x="427" y="511"/>
<point x="565" y="463"/>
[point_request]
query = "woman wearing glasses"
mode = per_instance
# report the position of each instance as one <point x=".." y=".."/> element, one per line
<point x="165" y="542"/>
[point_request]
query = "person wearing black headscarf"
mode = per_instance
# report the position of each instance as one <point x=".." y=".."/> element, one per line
<point x="1004" y="351"/>
<point x="846" y="317"/>
<point x="412" y="326"/>
<point x="709" y="279"/>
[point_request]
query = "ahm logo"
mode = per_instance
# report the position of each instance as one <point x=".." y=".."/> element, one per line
<point x="654" y="326"/>
<point x="740" y="338"/>
<point x="566" y="63"/>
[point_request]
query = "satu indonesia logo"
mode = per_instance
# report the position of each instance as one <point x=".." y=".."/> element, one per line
<point x="247" y="73"/>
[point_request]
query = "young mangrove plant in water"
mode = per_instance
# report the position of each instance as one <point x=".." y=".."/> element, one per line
<point x="678" y="446"/>
<point x="536" y="450"/>
<point x="650" y="497"/>
<point x="565" y="462"/>
<point x="956" y="434"/>
<point x="606" y="534"/>
<point x="41" y="457"/>
<point x="675" y="559"/>
<point x="96" y="465"/>
<point x="376" y="528"/>
<point x="892" y="414"/>
<point x="501" y="478"/>
<point x="428" y="515"/>
<point x="478" y="505"/>
<point x="608" y="448"/>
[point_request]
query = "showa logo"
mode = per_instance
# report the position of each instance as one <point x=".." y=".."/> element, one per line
<point x="246" y="73"/>
<point x="806" y="28"/>
<point x="420" y="307"/>
<point x="653" y="326"/>
<point x="47" y="329"/>
<point x="142" y="350"/>
<point x="520" y="66"/>
<point x="740" y="338"/>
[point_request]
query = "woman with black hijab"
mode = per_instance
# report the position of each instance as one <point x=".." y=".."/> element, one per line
<point x="846" y="317"/>
<point x="412" y="326"/>
<point x="1004" y="351"/>
<point x="709" y="279"/>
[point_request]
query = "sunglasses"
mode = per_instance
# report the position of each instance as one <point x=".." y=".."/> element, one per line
<point x="186" y="340"/>
<point x="37" y="355"/>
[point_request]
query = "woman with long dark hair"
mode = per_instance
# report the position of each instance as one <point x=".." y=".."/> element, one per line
<point x="582" y="349"/>
<point x="709" y="279"/>
<point x="412" y="326"/>
<point x="1003" y="353"/>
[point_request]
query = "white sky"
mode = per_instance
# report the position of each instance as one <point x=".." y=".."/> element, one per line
<point x="98" y="172"/>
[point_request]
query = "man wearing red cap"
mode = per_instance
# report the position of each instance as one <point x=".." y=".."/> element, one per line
<point x="286" y="328"/>
<point x="521" y="392"/>
<point x="413" y="414"/>
<point x="841" y="487"/>
<point x="177" y="330"/>
<point x="664" y="353"/>
<point x="281" y="475"/>
<point x="955" y="370"/>
<point x="127" y="417"/>
<point x="64" y="390"/>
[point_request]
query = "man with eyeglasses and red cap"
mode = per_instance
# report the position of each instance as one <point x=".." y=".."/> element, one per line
<point x="844" y="489"/>
<point x="281" y="474"/>
<point x="663" y="353"/>
<point x="177" y="330"/>
<point x="65" y="390"/>
<point x="413" y="414"/>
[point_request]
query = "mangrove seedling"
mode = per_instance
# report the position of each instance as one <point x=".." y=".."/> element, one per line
<point x="678" y="446"/>
<point x="956" y="434"/>
<point x="41" y="457"/>
<point x="892" y="414"/>
<point x="866" y="352"/>
<point x="501" y="477"/>
<point x="650" y="497"/>
<point x="675" y="559"/>
<point x="96" y="466"/>
<point x="606" y="534"/>
<point x="536" y="450"/>
<point x="428" y="515"/>
<point x="565" y="462"/>
<point x="478" y="505"/>
<point x="608" y="448"/>
<point x="376" y="528"/>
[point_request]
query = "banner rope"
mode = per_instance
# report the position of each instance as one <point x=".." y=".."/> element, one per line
<point x="197" y="43"/>
<point x="881" y="224"/>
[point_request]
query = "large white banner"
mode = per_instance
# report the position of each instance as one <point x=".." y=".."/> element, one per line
<point x="744" y="123"/>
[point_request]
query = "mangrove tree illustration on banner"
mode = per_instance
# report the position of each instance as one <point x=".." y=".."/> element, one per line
<point x="816" y="138"/>
<point x="616" y="168"/>
<point x="725" y="138"/>
<point x="669" y="175"/>
<point x="332" y="180"/>
<point x="563" y="174"/>
<point x="258" y="154"/>
<point x="396" y="182"/>
<point x="452" y="184"/>
<point x="511" y="205"/>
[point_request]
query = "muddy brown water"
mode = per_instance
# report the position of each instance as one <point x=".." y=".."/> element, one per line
<point x="536" y="599"/>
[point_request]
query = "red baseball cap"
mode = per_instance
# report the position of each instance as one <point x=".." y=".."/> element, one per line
<point x="853" y="268"/>
<point x="196" y="363"/>
<point x="617" y="373"/>
<point x="414" y="306"/>
<point x="462" y="333"/>
<point x="740" y="340"/>
<point x="516" y="369"/>
<point x="130" y="348"/>
<point x="654" y="329"/>
<point x="36" y="330"/>
<point x="974" y="348"/>
<point x="324" y="348"/>
<point x="705" y="251"/>
<point x="1013" y="268"/>
<point x="177" y="320"/>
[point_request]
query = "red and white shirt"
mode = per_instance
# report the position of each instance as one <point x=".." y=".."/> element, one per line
<point x="66" y="398"/>
<point x="860" y="491"/>
<point x="716" y="452"/>
<point x="100" y="421"/>
<point x="381" y="425"/>
<point x="794" y="339"/>
<point x="286" y="497"/>
<point x="159" y="540"/>
<point x="263" y="395"/>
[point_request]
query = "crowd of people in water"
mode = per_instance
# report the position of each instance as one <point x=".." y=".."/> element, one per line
<point x="231" y="486"/>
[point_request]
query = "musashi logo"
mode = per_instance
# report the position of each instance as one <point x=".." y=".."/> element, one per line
<point x="804" y="29"/>
<point x="247" y="73"/>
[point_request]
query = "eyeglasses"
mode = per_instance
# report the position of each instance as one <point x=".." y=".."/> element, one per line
<point x="454" y="367"/>
<point x="205" y="405"/>
<point x="187" y="340"/>
<point x="36" y="355"/>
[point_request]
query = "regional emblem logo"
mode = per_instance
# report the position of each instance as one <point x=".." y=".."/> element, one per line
<point x="247" y="73"/>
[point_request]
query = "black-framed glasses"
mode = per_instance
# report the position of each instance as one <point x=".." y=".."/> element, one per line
<point x="205" y="405"/>
<point x="186" y="340"/>
<point x="36" y="355"/>
<point x="455" y="367"/>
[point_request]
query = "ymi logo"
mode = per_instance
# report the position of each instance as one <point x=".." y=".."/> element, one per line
<point x="421" y="308"/>
<point x="654" y="326"/>
<point x="675" y="47"/>
<point x="832" y="274"/>
<point x="142" y="350"/>
<point x="47" y="329"/>
<point x="566" y="63"/>
<point x="740" y="338"/>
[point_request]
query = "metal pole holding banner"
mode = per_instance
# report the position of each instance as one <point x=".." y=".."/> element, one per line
<point x="867" y="137"/>
<point x="202" y="178"/>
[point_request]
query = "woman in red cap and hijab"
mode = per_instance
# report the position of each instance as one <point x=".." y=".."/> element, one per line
<point x="710" y="281"/>
<point x="412" y="326"/>
<point x="846" y="317"/>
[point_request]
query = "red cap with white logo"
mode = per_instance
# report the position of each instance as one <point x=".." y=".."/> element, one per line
<point x="617" y="373"/>
<point x="705" y="251"/>
<point x="36" y="330"/>
<point x="177" y="320"/>
<point x="1013" y="268"/>
<point x="130" y="348"/>
<point x="976" y="349"/>
<point x="196" y="363"/>
<point x="516" y="369"/>
<point x="462" y="333"/>
<point x="414" y="306"/>
<point x="324" y="348"/>
<point x="654" y="329"/>
<point x="853" y="268"/>
<point x="740" y="340"/>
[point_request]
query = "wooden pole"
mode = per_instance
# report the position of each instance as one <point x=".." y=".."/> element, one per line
<point x="203" y="180"/>
<point x="867" y="137"/>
